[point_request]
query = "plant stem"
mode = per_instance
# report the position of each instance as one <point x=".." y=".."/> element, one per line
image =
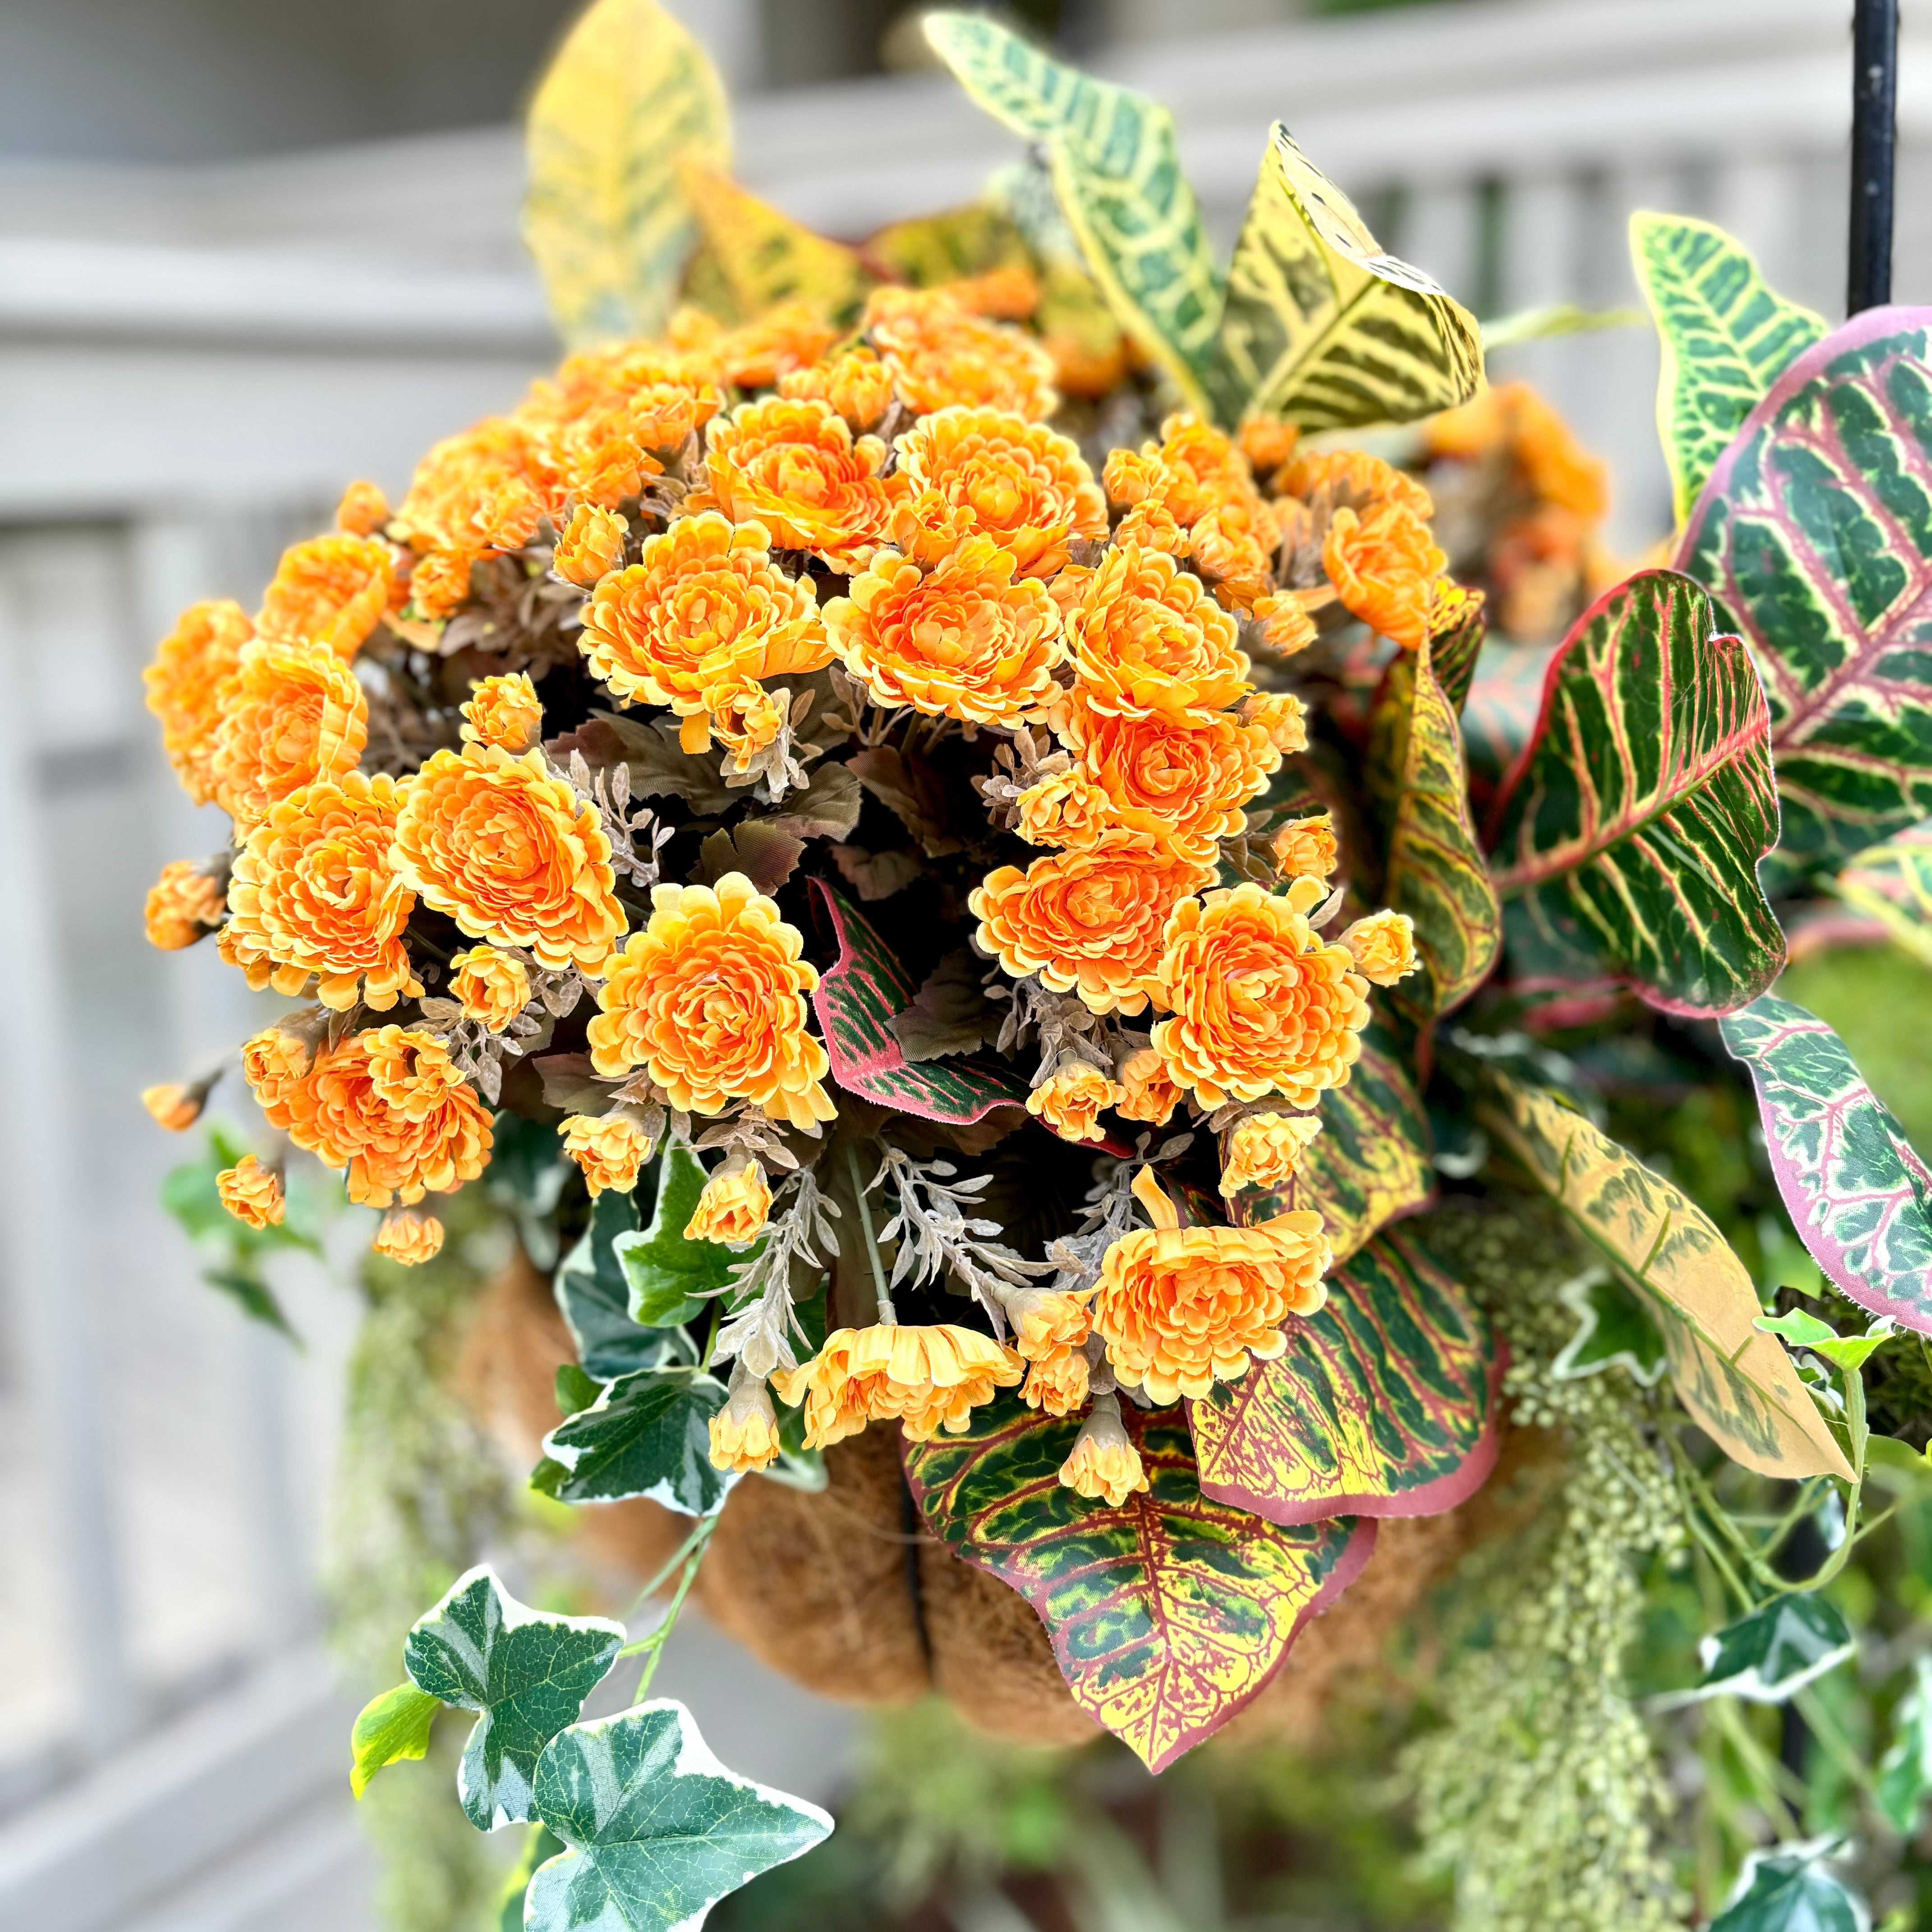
<point x="887" y="1313"/>
<point x="650" y="1647"/>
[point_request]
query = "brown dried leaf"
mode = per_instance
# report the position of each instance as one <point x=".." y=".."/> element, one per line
<point x="569" y="1081"/>
<point x="876" y="875"/>
<point x="912" y="789"/>
<point x="949" y="1014"/>
<point x="766" y="855"/>
<point x="828" y="807"/>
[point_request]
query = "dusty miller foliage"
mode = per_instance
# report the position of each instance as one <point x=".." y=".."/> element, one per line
<point x="799" y="1233"/>
<point x="1541" y="1791"/>
<point x="937" y="1228"/>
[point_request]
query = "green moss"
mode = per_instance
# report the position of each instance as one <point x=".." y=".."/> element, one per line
<point x="1877" y="997"/>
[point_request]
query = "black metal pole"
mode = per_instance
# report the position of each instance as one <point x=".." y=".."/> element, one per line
<point x="1874" y="151"/>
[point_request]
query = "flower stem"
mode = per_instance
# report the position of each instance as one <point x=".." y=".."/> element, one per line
<point x="886" y="1313"/>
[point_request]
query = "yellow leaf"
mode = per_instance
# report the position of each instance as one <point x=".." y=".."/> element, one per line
<point x="1737" y="1382"/>
<point x="630" y="95"/>
<point x="763" y="257"/>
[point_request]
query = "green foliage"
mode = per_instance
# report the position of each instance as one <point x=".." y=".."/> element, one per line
<point x="1773" y="1653"/>
<point x="1859" y="991"/>
<point x="667" y="1274"/>
<point x="645" y="1434"/>
<point x="1905" y="1771"/>
<point x="594" y="1292"/>
<point x="1892" y="882"/>
<point x="389" y="1728"/>
<point x="1790" y="1890"/>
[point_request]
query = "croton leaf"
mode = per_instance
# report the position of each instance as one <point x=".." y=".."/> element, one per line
<point x="1737" y="1382"/>
<point x="1370" y="1164"/>
<point x="1725" y="333"/>
<point x="668" y="1274"/>
<point x="1859" y="1197"/>
<point x="1627" y="838"/>
<point x="931" y="249"/>
<point x="1435" y="872"/>
<point x="629" y="96"/>
<point x="1454" y="651"/>
<point x="1905" y="1771"/>
<point x="1320" y="326"/>
<point x="594" y="1296"/>
<point x="1780" y="1647"/>
<point x="658" y="1830"/>
<point x="857" y="1000"/>
<point x="1814" y="533"/>
<point x="388" y="1730"/>
<point x="645" y="1434"/>
<point x="1384" y="1405"/>
<point x="1892" y="882"/>
<point x="1168" y="1614"/>
<point x="1118" y="177"/>
<point x="1788" y="1889"/>
<point x="763" y="257"/>
<point x="528" y="1672"/>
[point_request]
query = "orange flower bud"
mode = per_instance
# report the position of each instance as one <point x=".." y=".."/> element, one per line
<point x="1306" y="848"/>
<point x="745" y="1432"/>
<point x="174" y="1106"/>
<point x="183" y="904"/>
<point x="733" y="1207"/>
<point x="1267" y="442"/>
<point x="363" y="510"/>
<point x="1286" y="626"/>
<point x="611" y="1148"/>
<point x="1104" y="1464"/>
<point x="1265" y="1150"/>
<point x="504" y="710"/>
<point x="591" y="544"/>
<point x="490" y="987"/>
<point x="1057" y="1382"/>
<point x="408" y="1238"/>
<point x="1150" y="1094"/>
<point x="251" y="1192"/>
<point x="1071" y="1100"/>
<point x="1384" y="945"/>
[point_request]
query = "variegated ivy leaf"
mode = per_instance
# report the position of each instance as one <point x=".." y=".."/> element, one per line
<point x="670" y="1274"/>
<point x="645" y="1434"/>
<point x="1737" y="1382"/>
<point x="1725" y="335"/>
<point x="1320" y="327"/>
<point x="388" y="1728"/>
<point x="629" y="96"/>
<point x="1118" y="176"/>
<point x="1905" y="1771"/>
<point x="1788" y="1889"/>
<point x="1892" y="882"/>
<point x="1859" y="1196"/>
<point x="1627" y="838"/>
<point x="527" y="1673"/>
<point x="594" y="1293"/>
<point x="658" y="1830"/>
<point x="1614" y="1330"/>
<point x="763" y="257"/>
<point x="1814" y="534"/>
<point x="1803" y="1330"/>
<point x="1775" y="1651"/>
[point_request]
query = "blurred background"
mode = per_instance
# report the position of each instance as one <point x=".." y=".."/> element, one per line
<point x="248" y="252"/>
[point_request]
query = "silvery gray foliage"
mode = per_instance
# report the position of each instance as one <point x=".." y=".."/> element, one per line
<point x="610" y="791"/>
<point x="781" y="766"/>
<point x="1066" y="1027"/>
<point x="1107" y="1213"/>
<point x="799" y="1229"/>
<point x="936" y="1229"/>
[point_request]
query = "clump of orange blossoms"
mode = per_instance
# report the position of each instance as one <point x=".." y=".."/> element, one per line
<point x="183" y="904"/>
<point x="291" y="714"/>
<point x="794" y="467"/>
<point x="927" y="1378"/>
<point x="610" y="1149"/>
<point x="940" y="353"/>
<point x="252" y="1193"/>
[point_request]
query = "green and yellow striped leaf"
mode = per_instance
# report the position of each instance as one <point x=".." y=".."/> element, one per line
<point x="1384" y="1404"/>
<point x="629" y="96"/>
<point x="1814" y="534"/>
<point x="1859" y="1197"/>
<point x="1627" y="837"/>
<point x="933" y="249"/>
<point x="1736" y="1381"/>
<point x="1169" y="1614"/>
<point x="1320" y="326"/>
<point x="763" y="257"/>
<point x="1892" y="882"/>
<point x="1726" y="336"/>
<point x="1371" y="1163"/>
<point x="1117" y="174"/>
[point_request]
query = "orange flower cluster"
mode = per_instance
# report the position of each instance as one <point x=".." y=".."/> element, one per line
<point x="191" y="665"/>
<point x="330" y="590"/>
<point x="183" y="904"/>
<point x="927" y="1378"/>
<point x="291" y="714"/>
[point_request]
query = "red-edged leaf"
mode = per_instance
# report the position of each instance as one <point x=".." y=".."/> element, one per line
<point x="856" y="1002"/>
<point x="1814" y="533"/>
<point x="1627" y="837"/>
<point x="1169" y="1614"/>
<point x="1384" y="1404"/>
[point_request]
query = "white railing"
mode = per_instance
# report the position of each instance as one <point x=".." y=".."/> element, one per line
<point x="191" y="364"/>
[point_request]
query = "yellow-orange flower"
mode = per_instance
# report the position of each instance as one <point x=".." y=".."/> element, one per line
<point x="511" y="853"/>
<point x="1147" y="638"/>
<point x="640" y="394"/>
<point x="474" y="492"/>
<point x="1384" y="945"/>
<point x="492" y="988"/>
<point x="1086" y="922"/>
<point x="929" y="1378"/>
<point x="291" y="714"/>
<point x="251" y="1192"/>
<point x="591" y="544"/>
<point x="1010" y="293"/>
<point x="363" y="509"/>
<point x="1265" y="1150"/>
<point x="1233" y="546"/>
<point x="1559" y="469"/>
<point x="1046" y="1319"/>
<point x="408" y="1238"/>
<point x="503" y="710"/>
<point x="1181" y="1308"/>
<point x="1070" y="1101"/>
<point x="1065" y="808"/>
<point x="611" y="1148"/>
<point x="1151" y="1094"/>
<point x="1286" y="626"/>
<point x="1307" y="848"/>
<point x="1383" y="566"/>
<point x="183" y="904"/>
<point x="856" y="384"/>
<point x="185" y="681"/>
<point x="744" y="1432"/>
<point x="1353" y="478"/>
<point x="965" y="642"/>
<point x="1103" y="1465"/>
<point x="1258" y="1004"/>
<point x="991" y="471"/>
<point x="1267" y="442"/>
<point x="1057" y="1382"/>
<point x="733" y="1207"/>
<point x="788" y="337"/>
<point x="710" y="999"/>
<point x="704" y="598"/>
<point x="174" y="1106"/>
<point x="275" y="1064"/>
<point x="1280" y="715"/>
<point x="315" y="891"/>
<point x="941" y="354"/>
<point x="440" y="582"/>
<point x="330" y="590"/>
<point x="794" y="465"/>
<point x="746" y="716"/>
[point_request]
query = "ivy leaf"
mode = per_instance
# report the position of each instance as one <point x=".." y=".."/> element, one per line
<point x="594" y="1293"/>
<point x="1117" y="175"/>
<point x="1385" y="1403"/>
<point x="645" y="1434"/>
<point x="858" y="997"/>
<point x="669" y="1275"/>
<point x="629" y="96"/>
<point x="1905" y="1771"/>
<point x="1778" y="1649"/>
<point x="1814" y="533"/>
<point x="1168" y="1614"/>
<point x="1323" y="328"/>
<point x="1787" y="1889"/>
<point x="658" y="1830"/>
<point x="763" y="257"/>
<point x="1628" y="836"/>
<point x="388" y="1728"/>
<point x="527" y="1673"/>
<point x="1726" y="336"/>
<point x="1614" y="1330"/>
<point x="1891" y="881"/>
<point x="527" y="1171"/>
<point x="1859" y="1196"/>
<point x="1803" y="1330"/>
<point x="1736" y="1381"/>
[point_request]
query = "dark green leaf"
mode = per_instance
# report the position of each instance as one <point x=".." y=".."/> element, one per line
<point x="388" y="1728"/>
<point x="594" y="1293"/>
<point x="1778" y="1649"/>
<point x="1614" y="1330"/>
<point x="646" y="1435"/>
<point x="1788" y="1890"/>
